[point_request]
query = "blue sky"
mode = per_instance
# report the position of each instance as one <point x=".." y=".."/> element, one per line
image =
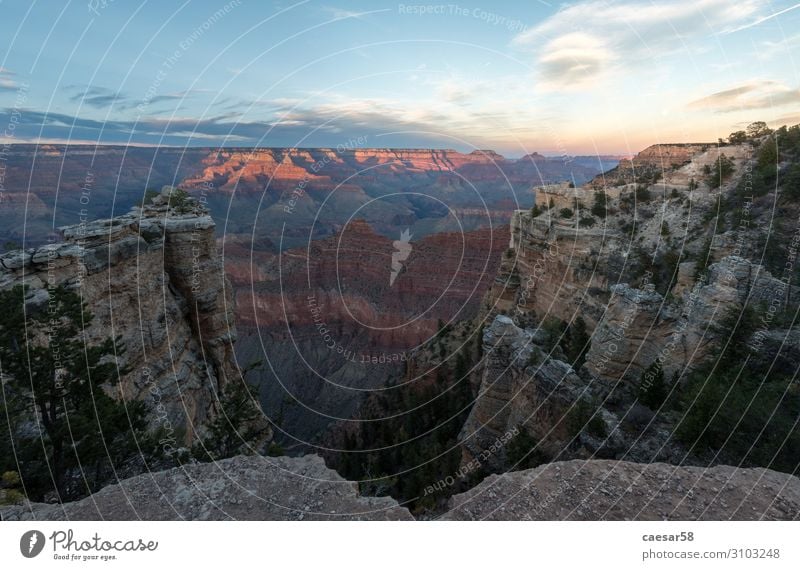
<point x="517" y="77"/>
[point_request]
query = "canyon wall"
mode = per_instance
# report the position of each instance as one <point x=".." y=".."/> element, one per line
<point x="652" y="281"/>
<point x="154" y="279"/>
<point x="334" y="320"/>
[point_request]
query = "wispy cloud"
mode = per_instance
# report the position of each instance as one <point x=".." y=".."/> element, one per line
<point x="345" y="14"/>
<point x="327" y="125"/>
<point x="99" y="97"/>
<point x="749" y="96"/>
<point x="584" y="42"/>
<point x="6" y="81"/>
<point x="763" y="19"/>
<point x="770" y="49"/>
<point x="96" y="97"/>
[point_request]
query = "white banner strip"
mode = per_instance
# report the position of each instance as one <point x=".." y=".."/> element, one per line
<point x="354" y="545"/>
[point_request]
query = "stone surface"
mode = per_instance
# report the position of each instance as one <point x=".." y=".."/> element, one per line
<point x="154" y="278"/>
<point x="618" y="490"/>
<point x="240" y="488"/>
<point x="517" y="394"/>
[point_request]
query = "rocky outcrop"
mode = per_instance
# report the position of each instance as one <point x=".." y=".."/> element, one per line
<point x="640" y="327"/>
<point x="521" y="389"/>
<point x="553" y="269"/>
<point x="618" y="490"/>
<point x="152" y="278"/>
<point x="240" y="488"/>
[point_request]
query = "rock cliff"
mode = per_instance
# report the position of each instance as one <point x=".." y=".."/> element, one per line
<point x="154" y="279"/>
<point x="617" y="490"/>
<point x="650" y="276"/>
<point x="258" y="488"/>
<point x="240" y="488"/>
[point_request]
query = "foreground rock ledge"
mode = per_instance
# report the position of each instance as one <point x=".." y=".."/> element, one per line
<point x="618" y="490"/>
<point x="240" y="488"/>
<point x="303" y="488"/>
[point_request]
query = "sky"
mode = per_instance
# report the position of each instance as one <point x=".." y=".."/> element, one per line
<point x="591" y="77"/>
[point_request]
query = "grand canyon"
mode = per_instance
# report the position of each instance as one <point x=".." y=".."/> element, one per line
<point x="421" y="365"/>
<point x="423" y="266"/>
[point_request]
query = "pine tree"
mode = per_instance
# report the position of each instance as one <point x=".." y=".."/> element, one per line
<point x="68" y="433"/>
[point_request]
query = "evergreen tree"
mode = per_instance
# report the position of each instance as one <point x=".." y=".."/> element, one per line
<point x="69" y="435"/>
<point x="653" y="389"/>
<point x="239" y="427"/>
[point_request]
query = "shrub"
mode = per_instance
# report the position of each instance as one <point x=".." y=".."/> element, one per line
<point x="587" y="222"/>
<point x="722" y="169"/>
<point x="179" y="201"/>
<point x="522" y="452"/>
<point x="576" y="342"/>
<point x="148" y="196"/>
<point x="732" y="408"/>
<point x="565" y="212"/>
<point x="768" y="157"/>
<point x="583" y="418"/>
<point x="791" y="181"/>
<point x="600" y="206"/>
<point x="643" y="193"/>
<point x="83" y="429"/>
<point x="737" y="137"/>
<point x="553" y="329"/>
<point x="653" y="390"/>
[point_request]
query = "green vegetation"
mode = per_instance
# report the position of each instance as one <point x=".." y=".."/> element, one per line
<point x="523" y="452"/>
<point x="757" y="130"/>
<point x="576" y="342"/>
<point x="420" y="435"/>
<point x="572" y="338"/>
<point x="586" y="222"/>
<point x="737" y="137"/>
<point x="11" y="491"/>
<point x="703" y="259"/>
<point x="643" y="193"/>
<point x="81" y="435"/>
<point x="733" y="407"/>
<point x="653" y="389"/>
<point x="663" y="268"/>
<point x="723" y="168"/>
<point x="791" y="182"/>
<point x="565" y="213"/>
<point x="238" y="428"/>
<point x="600" y="205"/>
<point x="148" y="196"/>
<point x="583" y="417"/>
<point x="179" y="201"/>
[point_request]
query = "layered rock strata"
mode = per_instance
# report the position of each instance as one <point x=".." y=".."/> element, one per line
<point x="153" y="279"/>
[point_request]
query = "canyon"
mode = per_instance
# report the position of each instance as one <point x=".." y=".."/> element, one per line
<point x="495" y="372"/>
<point x="258" y="191"/>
